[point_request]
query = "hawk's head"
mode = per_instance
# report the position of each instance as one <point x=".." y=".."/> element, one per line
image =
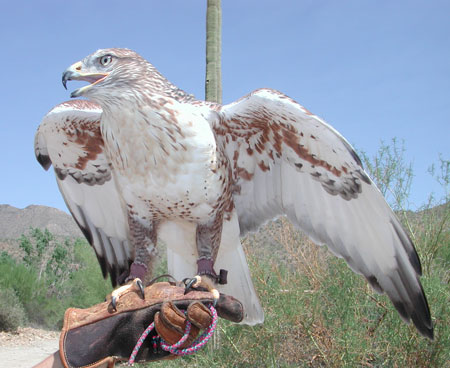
<point x="119" y="75"/>
<point x="112" y="73"/>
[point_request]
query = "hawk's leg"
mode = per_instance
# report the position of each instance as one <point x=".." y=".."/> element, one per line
<point x="143" y="238"/>
<point x="208" y="238"/>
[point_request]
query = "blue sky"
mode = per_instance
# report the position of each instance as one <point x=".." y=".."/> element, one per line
<point x="373" y="69"/>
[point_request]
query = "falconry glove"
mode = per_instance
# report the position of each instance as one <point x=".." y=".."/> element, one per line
<point x="100" y="335"/>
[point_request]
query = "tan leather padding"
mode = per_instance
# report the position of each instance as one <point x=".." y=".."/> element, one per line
<point x="154" y="294"/>
<point x="199" y="315"/>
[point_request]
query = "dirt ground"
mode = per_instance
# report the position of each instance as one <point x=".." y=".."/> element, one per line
<point x="27" y="347"/>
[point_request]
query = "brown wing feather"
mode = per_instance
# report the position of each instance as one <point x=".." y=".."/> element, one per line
<point x="69" y="138"/>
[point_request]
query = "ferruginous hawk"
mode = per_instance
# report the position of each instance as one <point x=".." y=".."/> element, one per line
<point x="143" y="160"/>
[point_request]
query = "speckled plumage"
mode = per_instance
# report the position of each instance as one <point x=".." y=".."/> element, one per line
<point x="147" y="160"/>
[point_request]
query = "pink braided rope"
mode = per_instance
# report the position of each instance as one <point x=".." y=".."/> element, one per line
<point x="139" y="343"/>
<point x="173" y="349"/>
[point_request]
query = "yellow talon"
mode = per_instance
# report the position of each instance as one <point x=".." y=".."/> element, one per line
<point x="205" y="282"/>
<point x="216" y="296"/>
<point x="135" y="285"/>
<point x="215" y="293"/>
<point x="198" y="281"/>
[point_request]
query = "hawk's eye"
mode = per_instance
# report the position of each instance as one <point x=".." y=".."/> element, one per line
<point x="105" y="60"/>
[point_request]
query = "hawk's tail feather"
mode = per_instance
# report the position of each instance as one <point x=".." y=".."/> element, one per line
<point x="240" y="284"/>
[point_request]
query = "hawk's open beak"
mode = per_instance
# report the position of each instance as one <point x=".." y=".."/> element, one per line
<point x="74" y="72"/>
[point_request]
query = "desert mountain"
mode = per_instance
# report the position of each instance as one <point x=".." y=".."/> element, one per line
<point x="15" y="221"/>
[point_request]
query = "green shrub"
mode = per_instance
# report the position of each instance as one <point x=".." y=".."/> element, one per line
<point x="12" y="313"/>
<point x="31" y="291"/>
<point x="64" y="275"/>
<point x="86" y="286"/>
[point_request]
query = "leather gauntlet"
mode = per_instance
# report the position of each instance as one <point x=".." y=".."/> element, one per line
<point x="99" y="336"/>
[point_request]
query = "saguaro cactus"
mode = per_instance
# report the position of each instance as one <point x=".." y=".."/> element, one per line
<point x="213" y="83"/>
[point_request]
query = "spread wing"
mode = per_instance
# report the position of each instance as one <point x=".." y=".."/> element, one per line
<point x="69" y="138"/>
<point x="287" y="161"/>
